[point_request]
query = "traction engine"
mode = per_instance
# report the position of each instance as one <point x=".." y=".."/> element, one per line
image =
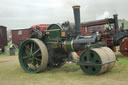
<point x="53" y="47"/>
<point x="112" y="35"/>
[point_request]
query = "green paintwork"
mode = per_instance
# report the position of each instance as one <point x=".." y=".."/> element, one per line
<point x="26" y="55"/>
<point x="53" y="39"/>
<point x="68" y="46"/>
<point x="90" y="56"/>
<point x="53" y="36"/>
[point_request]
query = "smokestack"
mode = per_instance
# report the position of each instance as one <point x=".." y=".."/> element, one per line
<point x="116" y="23"/>
<point x="122" y="25"/>
<point x="76" y="10"/>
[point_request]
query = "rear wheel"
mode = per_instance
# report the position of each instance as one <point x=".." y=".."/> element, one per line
<point x="33" y="56"/>
<point x="124" y="47"/>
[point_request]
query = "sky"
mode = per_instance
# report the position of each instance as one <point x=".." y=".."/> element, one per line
<point x="16" y="14"/>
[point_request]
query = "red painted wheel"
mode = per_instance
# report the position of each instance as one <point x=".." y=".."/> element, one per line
<point x="124" y="47"/>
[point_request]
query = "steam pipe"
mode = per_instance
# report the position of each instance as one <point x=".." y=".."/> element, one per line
<point x="76" y="10"/>
<point x="116" y="28"/>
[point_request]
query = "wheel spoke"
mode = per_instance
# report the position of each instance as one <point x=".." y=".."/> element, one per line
<point x="27" y="53"/>
<point x="27" y="61"/>
<point x="27" y="47"/>
<point x="36" y="51"/>
<point x="37" y="59"/>
<point x="31" y="47"/>
<point x="38" y="55"/>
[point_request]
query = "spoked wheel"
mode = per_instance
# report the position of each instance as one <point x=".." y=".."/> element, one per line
<point x="101" y="60"/>
<point x="124" y="47"/>
<point x="33" y="56"/>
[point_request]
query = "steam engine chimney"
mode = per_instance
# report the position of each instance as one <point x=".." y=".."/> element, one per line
<point x="116" y="23"/>
<point x="122" y="25"/>
<point x="76" y="10"/>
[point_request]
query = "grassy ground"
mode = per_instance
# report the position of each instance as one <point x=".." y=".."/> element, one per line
<point x="70" y="74"/>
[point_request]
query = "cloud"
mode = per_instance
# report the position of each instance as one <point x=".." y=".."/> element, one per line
<point x="106" y="14"/>
<point x="25" y="13"/>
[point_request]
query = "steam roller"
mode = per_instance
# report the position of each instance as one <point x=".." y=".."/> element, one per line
<point x="60" y="43"/>
<point x="102" y="59"/>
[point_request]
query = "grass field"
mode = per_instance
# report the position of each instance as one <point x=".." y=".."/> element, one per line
<point x="70" y="74"/>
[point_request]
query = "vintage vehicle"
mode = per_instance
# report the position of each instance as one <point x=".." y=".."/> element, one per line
<point x="112" y="35"/>
<point x="53" y="46"/>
